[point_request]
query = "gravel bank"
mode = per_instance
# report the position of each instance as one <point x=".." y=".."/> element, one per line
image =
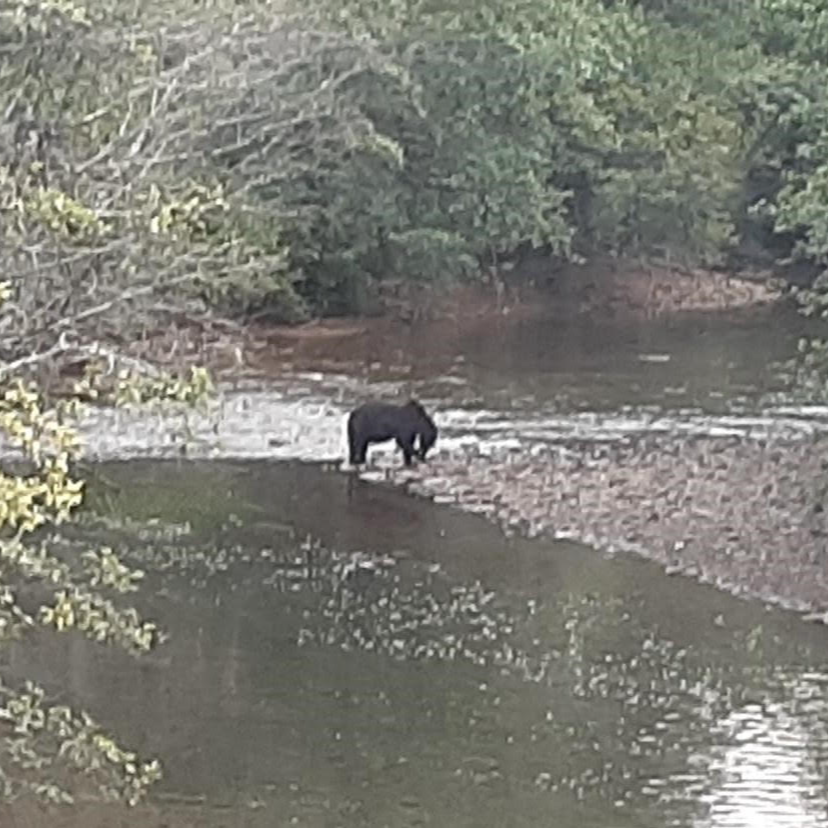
<point x="746" y="515"/>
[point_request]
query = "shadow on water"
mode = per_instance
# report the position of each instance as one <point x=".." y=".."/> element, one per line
<point x="344" y="655"/>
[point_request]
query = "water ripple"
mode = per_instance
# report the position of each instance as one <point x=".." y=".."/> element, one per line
<point x="303" y="422"/>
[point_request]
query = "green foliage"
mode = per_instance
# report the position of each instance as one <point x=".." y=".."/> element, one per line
<point x="807" y="373"/>
<point x="552" y="124"/>
<point x="119" y="123"/>
<point x="796" y="29"/>
<point x="802" y="209"/>
<point x="46" y="750"/>
<point x="41" y="434"/>
<point x="289" y="164"/>
<point x="136" y="389"/>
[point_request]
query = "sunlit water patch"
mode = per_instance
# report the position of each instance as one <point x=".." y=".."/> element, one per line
<point x="766" y="766"/>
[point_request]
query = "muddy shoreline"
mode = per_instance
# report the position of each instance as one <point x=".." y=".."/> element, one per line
<point x="609" y="290"/>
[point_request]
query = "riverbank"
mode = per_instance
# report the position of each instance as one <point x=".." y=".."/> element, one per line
<point x="636" y="291"/>
<point x="720" y="502"/>
<point x="744" y="514"/>
<point x="737" y="501"/>
<point x="601" y="290"/>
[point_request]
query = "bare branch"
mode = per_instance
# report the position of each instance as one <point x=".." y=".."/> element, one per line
<point x="13" y="367"/>
<point x="147" y="177"/>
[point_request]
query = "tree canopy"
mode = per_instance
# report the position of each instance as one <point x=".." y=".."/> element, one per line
<point x="287" y="159"/>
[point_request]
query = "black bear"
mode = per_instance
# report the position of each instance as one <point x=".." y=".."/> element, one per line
<point x="377" y="422"/>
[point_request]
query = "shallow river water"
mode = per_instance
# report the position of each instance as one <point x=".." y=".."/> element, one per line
<point x="343" y="653"/>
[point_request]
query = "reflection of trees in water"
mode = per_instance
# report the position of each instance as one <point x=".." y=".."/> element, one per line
<point x="407" y="612"/>
<point x="661" y="726"/>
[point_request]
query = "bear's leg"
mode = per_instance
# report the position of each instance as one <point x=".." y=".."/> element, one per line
<point x="357" y="445"/>
<point x="406" y="443"/>
<point x="358" y="452"/>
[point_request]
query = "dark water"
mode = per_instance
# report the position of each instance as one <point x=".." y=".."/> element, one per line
<point x="410" y="666"/>
<point x="343" y="654"/>
<point x="574" y="362"/>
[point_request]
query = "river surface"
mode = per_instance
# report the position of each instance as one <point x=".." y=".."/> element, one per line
<point x="343" y="653"/>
